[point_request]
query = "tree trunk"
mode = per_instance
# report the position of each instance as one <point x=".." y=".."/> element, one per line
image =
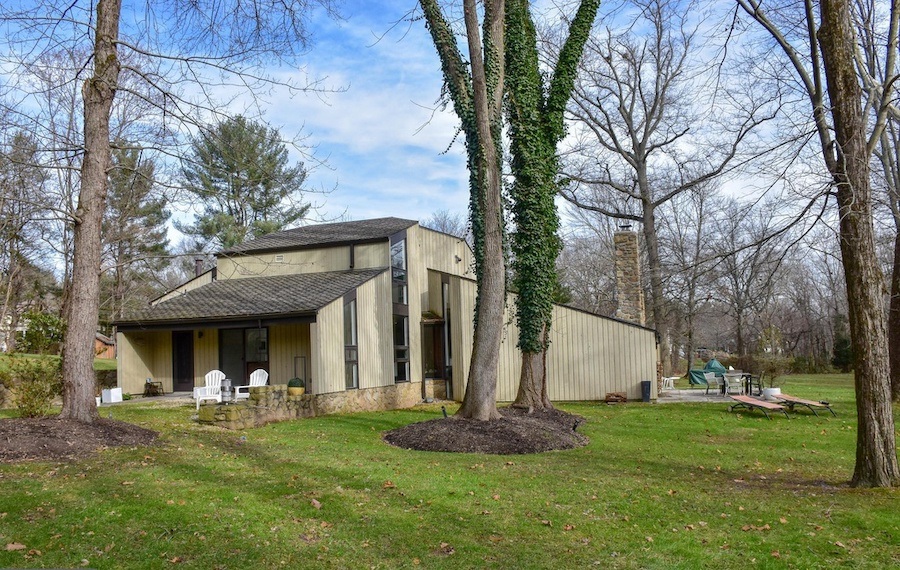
<point x="894" y="322"/>
<point x="876" y="452"/>
<point x="532" y="393"/>
<point x="657" y="301"/>
<point x="82" y="308"/>
<point x="480" y="401"/>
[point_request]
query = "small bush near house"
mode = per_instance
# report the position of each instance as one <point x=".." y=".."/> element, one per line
<point x="43" y="335"/>
<point x="35" y="382"/>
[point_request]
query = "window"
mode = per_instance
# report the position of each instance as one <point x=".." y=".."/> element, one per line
<point x="401" y="348"/>
<point x="398" y="272"/>
<point x="401" y="308"/>
<point x="242" y="351"/>
<point x="351" y="351"/>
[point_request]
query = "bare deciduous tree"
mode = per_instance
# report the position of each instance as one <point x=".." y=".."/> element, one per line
<point x="646" y="133"/>
<point x="206" y="43"/>
<point x="823" y="59"/>
<point x="476" y="91"/>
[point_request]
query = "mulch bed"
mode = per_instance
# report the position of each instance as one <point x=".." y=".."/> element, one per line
<point x="517" y="432"/>
<point x="52" y="439"/>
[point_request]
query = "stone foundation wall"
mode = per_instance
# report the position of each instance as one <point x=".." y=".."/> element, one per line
<point x="269" y="404"/>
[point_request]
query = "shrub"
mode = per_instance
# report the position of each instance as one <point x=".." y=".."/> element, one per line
<point x="810" y="365"/>
<point x="843" y="353"/>
<point x="5" y="386"/>
<point x="43" y="335"/>
<point x="35" y="383"/>
<point x="772" y="369"/>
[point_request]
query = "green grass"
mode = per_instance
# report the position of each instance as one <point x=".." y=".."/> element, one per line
<point x="659" y="486"/>
<point x="99" y="363"/>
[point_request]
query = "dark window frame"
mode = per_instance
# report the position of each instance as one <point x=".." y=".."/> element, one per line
<point x="351" y="345"/>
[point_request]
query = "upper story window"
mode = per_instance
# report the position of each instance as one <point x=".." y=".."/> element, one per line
<point x="351" y="348"/>
<point x="399" y="287"/>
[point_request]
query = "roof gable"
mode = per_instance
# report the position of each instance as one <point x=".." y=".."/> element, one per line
<point x="338" y="233"/>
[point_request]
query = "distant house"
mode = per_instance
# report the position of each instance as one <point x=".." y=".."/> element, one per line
<point x="104" y="347"/>
<point x="383" y="307"/>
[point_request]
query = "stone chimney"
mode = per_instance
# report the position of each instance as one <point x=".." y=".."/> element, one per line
<point x="629" y="294"/>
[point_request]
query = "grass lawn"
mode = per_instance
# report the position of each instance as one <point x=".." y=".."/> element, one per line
<point x="99" y="363"/>
<point x="659" y="486"/>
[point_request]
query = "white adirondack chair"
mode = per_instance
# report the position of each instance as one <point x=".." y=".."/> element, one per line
<point x="258" y="377"/>
<point x="213" y="388"/>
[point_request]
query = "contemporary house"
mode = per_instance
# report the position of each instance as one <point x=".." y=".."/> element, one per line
<point x="381" y="308"/>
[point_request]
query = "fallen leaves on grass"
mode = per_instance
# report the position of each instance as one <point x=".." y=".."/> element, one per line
<point x="14" y="546"/>
<point x="445" y="549"/>
<point x="749" y="527"/>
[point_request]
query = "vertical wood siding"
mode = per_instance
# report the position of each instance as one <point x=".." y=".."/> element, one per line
<point x="375" y="332"/>
<point x="206" y="354"/>
<point x="142" y="355"/>
<point x="417" y="276"/>
<point x="318" y="260"/>
<point x="589" y="355"/>
<point x="285" y="343"/>
<point x="440" y="252"/>
<point x="329" y="349"/>
<point x="462" y="312"/>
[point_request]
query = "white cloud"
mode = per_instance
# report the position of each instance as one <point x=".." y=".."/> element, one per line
<point x="385" y="146"/>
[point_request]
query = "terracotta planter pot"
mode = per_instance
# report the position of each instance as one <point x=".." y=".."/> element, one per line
<point x="296" y="390"/>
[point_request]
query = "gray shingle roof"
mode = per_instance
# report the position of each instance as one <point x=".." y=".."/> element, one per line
<point x="322" y="234"/>
<point x="255" y="297"/>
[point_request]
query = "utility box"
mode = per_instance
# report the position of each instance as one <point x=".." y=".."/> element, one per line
<point x="111" y="395"/>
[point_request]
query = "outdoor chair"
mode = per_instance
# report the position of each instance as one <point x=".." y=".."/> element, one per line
<point x="712" y="381"/>
<point x="258" y="377"/>
<point x="734" y="382"/>
<point x="756" y="404"/>
<point x="791" y="401"/>
<point x="668" y="382"/>
<point x="213" y="388"/>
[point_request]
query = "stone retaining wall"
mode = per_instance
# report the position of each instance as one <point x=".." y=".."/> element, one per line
<point x="268" y="404"/>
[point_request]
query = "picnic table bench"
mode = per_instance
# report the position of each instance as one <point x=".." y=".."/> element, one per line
<point x="752" y="403"/>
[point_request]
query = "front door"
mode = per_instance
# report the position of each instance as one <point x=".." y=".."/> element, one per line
<point x="433" y="350"/>
<point x="182" y="361"/>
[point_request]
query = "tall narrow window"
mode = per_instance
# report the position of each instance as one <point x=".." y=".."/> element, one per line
<point x="399" y="292"/>
<point x="351" y="351"/>
<point x="401" y="348"/>
<point x="398" y="272"/>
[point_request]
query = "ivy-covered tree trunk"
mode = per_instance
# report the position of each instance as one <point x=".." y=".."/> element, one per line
<point x="876" y="451"/>
<point x="477" y="99"/>
<point x="83" y="307"/>
<point x="536" y="126"/>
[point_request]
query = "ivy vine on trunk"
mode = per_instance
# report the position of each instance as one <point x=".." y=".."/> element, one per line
<point x="535" y="117"/>
<point x="476" y="91"/>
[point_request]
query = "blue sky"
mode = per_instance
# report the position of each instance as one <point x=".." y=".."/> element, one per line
<point x="385" y="145"/>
